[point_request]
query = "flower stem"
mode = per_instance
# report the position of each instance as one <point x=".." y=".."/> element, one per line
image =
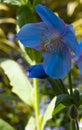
<point x="73" y="125"/>
<point x="70" y="84"/>
<point x="77" y="125"/>
<point x="36" y="97"/>
<point x="37" y="102"/>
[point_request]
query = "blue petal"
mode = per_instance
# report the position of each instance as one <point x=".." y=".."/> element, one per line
<point x="70" y="40"/>
<point x="79" y="62"/>
<point x="50" y="18"/>
<point x="57" y="66"/>
<point x="78" y="58"/>
<point x="80" y="44"/>
<point x="30" y="35"/>
<point x="37" y="71"/>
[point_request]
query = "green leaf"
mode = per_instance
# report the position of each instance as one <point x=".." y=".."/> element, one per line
<point x="7" y="96"/>
<point x="48" y="113"/>
<point x="31" y="124"/>
<point x="34" y="55"/>
<point x="12" y="2"/>
<point x="80" y="101"/>
<point x="25" y="15"/>
<point x="58" y="86"/>
<point x="5" y="126"/>
<point x="76" y="97"/>
<point x="58" y="108"/>
<point x="18" y="80"/>
<point x="37" y="2"/>
<point x="65" y="99"/>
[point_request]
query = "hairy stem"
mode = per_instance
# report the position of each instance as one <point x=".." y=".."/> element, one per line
<point x="37" y="102"/>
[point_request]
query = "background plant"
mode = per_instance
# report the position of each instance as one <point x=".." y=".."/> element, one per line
<point x="17" y="98"/>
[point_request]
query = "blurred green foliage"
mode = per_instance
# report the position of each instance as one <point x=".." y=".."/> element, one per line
<point x="13" y="15"/>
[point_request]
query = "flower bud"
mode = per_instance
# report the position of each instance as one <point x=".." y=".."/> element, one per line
<point x="73" y="112"/>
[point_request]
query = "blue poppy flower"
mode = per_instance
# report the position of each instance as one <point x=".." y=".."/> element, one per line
<point x="37" y="71"/>
<point x="55" y="38"/>
<point x="78" y="59"/>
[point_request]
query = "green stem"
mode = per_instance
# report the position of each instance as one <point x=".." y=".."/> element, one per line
<point x="37" y="102"/>
<point x="70" y="84"/>
<point x="25" y="55"/>
<point x="77" y="125"/>
<point x="73" y="125"/>
<point x="36" y="97"/>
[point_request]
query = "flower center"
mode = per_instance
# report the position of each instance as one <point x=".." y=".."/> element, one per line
<point x="54" y="44"/>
